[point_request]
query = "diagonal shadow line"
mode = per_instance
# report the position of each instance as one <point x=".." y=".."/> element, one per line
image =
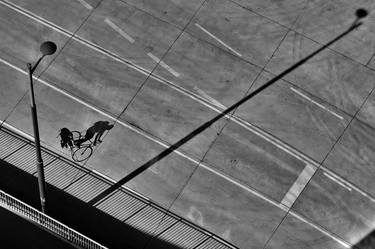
<point x="367" y="242"/>
<point x="207" y="124"/>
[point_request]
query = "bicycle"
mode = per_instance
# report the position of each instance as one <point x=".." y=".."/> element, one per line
<point x="84" y="151"/>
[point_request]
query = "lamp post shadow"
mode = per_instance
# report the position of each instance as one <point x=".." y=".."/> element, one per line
<point x="360" y="13"/>
<point x="367" y="242"/>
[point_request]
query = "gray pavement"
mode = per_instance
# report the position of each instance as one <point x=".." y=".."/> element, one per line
<point x="298" y="155"/>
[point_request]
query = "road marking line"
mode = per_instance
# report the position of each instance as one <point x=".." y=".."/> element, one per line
<point x="297" y="187"/>
<point x="245" y="124"/>
<point x="142" y="133"/>
<point x="206" y="167"/>
<point x="320" y="229"/>
<point x="337" y="181"/>
<point x="350" y="185"/>
<point x="210" y="99"/>
<point x="123" y="186"/>
<point x="316" y="103"/>
<point x="225" y="177"/>
<point x="119" y="30"/>
<point x="86" y="4"/>
<point x="217" y="39"/>
<point x="268" y="137"/>
<point x="163" y="64"/>
<point x="263" y="134"/>
<point x="16" y="130"/>
<point x="31" y="138"/>
<point x="245" y="187"/>
<point x="254" y="129"/>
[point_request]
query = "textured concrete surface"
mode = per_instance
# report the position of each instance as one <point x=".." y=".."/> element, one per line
<point x="90" y="75"/>
<point x="229" y="211"/>
<point x="254" y="161"/>
<point x="160" y="68"/>
<point x="322" y="20"/>
<point x="332" y="77"/>
<point x="294" y="234"/>
<point x="254" y="36"/>
<point x="220" y="75"/>
<point x="174" y="115"/>
<point x="338" y="209"/>
<point x="293" y="118"/>
<point x="353" y="156"/>
<point x="141" y="33"/>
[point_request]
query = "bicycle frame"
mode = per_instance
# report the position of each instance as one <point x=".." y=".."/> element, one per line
<point x="84" y="151"/>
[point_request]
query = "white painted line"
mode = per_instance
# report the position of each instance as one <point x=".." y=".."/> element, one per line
<point x="316" y="103"/>
<point x="142" y="133"/>
<point x="162" y="63"/>
<point x="187" y="157"/>
<point x="210" y="99"/>
<point x="337" y="181"/>
<point x="297" y="187"/>
<point x="119" y="30"/>
<point x="245" y="124"/>
<point x="16" y="130"/>
<point x="256" y="130"/>
<point x="320" y="229"/>
<point x="217" y="39"/>
<point x="268" y="137"/>
<point x="75" y="37"/>
<point x="31" y="138"/>
<point x="86" y="4"/>
<point x="113" y="181"/>
<point x="349" y="184"/>
<point x="245" y="187"/>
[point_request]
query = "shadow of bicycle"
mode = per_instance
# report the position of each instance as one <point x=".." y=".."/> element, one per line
<point x="81" y="146"/>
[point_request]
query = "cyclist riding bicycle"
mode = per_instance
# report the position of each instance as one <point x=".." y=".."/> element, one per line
<point x="74" y="139"/>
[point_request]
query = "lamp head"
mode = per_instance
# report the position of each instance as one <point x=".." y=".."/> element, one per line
<point x="48" y="48"/>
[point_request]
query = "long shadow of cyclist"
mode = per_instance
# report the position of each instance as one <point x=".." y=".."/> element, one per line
<point x="98" y="128"/>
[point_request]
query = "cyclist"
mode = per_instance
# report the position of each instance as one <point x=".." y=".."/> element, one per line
<point x="66" y="138"/>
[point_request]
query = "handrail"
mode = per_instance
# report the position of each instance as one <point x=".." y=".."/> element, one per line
<point x="20" y="208"/>
<point x="106" y="179"/>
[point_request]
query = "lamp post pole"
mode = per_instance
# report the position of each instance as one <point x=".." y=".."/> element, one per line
<point x="39" y="162"/>
<point x="47" y="48"/>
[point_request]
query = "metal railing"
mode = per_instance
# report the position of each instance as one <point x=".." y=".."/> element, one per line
<point x="22" y="209"/>
<point x="127" y="205"/>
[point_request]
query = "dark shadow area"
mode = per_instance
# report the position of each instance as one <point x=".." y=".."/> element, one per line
<point x="207" y="124"/>
<point x="16" y="232"/>
<point x="75" y="141"/>
<point x="367" y="242"/>
<point x="97" y="128"/>
<point x="75" y="213"/>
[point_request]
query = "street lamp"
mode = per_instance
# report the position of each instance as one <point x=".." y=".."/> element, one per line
<point x="47" y="48"/>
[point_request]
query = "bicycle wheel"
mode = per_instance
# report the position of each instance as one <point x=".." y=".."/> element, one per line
<point x="82" y="153"/>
